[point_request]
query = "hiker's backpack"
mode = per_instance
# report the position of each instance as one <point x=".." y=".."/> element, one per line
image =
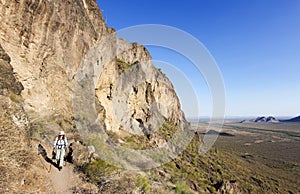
<point x="61" y="145"/>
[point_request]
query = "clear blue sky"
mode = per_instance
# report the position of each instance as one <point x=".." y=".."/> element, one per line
<point x="256" y="44"/>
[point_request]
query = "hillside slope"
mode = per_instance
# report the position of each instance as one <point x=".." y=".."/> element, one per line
<point x="17" y="156"/>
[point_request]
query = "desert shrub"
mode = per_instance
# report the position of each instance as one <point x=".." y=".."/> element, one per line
<point x="98" y="169"/>
<point x="122" y="65"/>
<point x="141" y="142"/>
<point x="167" y="130"/>
<point x="182" y="188"/>
<point x="129" y="139"/>
<point x="143" y="184"/>
<point x="15" y="98"/>
<point x="136" y="142"/>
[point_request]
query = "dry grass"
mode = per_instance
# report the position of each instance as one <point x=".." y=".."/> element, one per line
<point x="16" y="155"/>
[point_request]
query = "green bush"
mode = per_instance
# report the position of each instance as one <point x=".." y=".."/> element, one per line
<point x="122" y="65"/>
<point x="182" y="188"/>
<point x="97" y="169"/>
<point x="167" y="130"/>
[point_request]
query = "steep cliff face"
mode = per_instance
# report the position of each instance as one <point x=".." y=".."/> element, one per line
<point x="135" y="95"/>
<point x="47" y="41"/>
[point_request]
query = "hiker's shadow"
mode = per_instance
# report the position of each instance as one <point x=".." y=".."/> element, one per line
<point x="43" y="152"/>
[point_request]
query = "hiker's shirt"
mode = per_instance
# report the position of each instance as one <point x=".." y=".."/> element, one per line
<point x="60" y="144"/>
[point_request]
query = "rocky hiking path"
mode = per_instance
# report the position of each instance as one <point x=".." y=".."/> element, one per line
<point x="65" y="181"/>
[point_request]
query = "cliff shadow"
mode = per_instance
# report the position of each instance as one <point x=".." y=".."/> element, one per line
<point x="43" y="152"/>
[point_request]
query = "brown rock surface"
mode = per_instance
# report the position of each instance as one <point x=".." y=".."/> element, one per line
<point x="47" y="41"/>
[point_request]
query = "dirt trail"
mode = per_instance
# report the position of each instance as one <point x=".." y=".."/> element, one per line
<point x="64" y="181"/>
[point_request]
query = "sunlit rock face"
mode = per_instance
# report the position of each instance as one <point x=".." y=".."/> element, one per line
<point x="47" y="42"/>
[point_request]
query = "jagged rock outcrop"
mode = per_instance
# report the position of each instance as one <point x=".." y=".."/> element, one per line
<point x="47" y="41"/>
<point x="135" y="95"/>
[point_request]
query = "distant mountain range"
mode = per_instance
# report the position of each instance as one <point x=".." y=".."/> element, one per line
<point x="270" y="119"/>
<point x="295" y="119"/>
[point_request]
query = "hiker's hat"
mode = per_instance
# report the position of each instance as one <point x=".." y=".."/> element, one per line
<point x="61" y="133"/>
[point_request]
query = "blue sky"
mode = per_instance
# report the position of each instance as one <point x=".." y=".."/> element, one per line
<point x="255" y="43"/>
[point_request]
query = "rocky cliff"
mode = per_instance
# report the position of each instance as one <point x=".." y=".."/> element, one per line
<point x="47" y="41"/>
<point x="45" y="46"/>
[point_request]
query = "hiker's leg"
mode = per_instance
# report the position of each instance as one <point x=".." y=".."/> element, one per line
<point x="62" y="154"/>
<point x="57" y="154"/>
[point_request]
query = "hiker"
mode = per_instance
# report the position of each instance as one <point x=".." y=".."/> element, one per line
<point x="60" y="144"/>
